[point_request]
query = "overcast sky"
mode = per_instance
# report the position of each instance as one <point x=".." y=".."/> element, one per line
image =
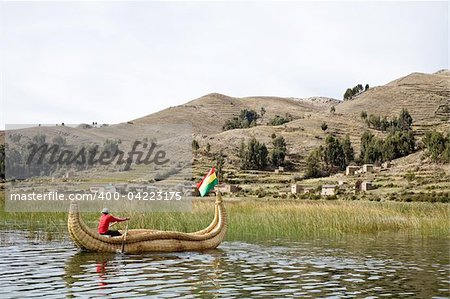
<point x="113" y="62"/>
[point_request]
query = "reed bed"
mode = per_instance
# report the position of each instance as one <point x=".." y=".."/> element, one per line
<point x="272" y="219"/>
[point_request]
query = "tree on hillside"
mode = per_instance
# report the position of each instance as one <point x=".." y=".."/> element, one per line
<point x="374" y="121"/>
<point x="349" y="153"/>
<point x="314" y="167"/>
<point x="437" y="146"/>
<point x="395" y="145"/>
<point x="366" y="140"/>
<point x="280" y="120"/>
<point x="249" y="118"/>
<point x="253" y="155"/>
<point x="446" y="153"/>
<point x="356" y="90"/>
<point x="333" y="109"/>
<point x="246" y="119"/>
<point x="367" y="87"/>
<point x="195" y="145"/>
<point x="332" y="157"/>
<point x="348" y="94"/>
<point x="390" y="148"/>
<point x="406" y="142"/>
<point x="405" y="120"/>
<point x="262" y="111"/>
<point x="363" y="115"/>
<point x="219" y="158"/>
<point x="334" y="153"/>
<point x="374" y="152"/>
<point x="324" y="126"/>
<point x="278" y="152"/>
<point x="385" y="124"/>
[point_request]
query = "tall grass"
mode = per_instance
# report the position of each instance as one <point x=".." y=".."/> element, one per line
<point x="266" y="220"/>
<point x="292" y="220"/>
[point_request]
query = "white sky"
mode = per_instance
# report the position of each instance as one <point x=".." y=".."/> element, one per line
<point x="113" y="62"/>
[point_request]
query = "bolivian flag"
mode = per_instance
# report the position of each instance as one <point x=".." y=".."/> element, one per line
<point x="208" y="182"/>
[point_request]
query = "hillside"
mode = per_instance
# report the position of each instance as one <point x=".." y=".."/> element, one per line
<point x="426" y="96"/>
<point x="208" y="114"/>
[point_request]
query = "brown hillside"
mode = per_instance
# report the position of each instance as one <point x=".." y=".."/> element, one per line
<point x="209" y="113"/>
<point x="426" y="96"/>
<point x="301" y="135"/>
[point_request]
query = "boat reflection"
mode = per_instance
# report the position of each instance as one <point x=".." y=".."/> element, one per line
<point x="146" y="274"/>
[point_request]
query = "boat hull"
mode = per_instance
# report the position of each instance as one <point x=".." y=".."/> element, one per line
<point x="146" y="240"/>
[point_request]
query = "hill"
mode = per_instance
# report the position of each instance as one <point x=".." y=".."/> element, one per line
<point x="209" y="113"/>
<point x="426" y="96"/>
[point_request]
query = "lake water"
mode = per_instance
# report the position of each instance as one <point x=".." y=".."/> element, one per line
<point x="382" y="266"/>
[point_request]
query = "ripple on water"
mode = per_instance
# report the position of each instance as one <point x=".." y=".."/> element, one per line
<point x="350" y="268"/>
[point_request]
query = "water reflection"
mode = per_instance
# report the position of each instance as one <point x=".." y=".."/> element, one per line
<point x="194" y="273"/>
<point x="78" y="266"/>
<point x="365" y="267"/>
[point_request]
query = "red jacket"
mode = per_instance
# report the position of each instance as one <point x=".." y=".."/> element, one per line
<point x="105" y="220"/>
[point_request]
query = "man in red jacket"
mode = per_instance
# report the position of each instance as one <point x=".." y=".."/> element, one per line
<point x="105" y="220"/>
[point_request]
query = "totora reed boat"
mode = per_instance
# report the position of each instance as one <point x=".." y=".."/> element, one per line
<point x="147" y="240"/>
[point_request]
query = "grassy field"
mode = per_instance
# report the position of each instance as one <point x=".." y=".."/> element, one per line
<point x="251" y="219"/>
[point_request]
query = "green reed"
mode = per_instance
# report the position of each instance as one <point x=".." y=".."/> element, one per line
<point x="262" y="219"/>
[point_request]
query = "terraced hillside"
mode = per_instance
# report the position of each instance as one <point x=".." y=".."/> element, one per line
<point x="426" y="96"/>
<point x="209" y="113"/>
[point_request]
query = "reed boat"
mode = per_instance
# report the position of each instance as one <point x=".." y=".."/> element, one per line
<point x="148" y="240"/>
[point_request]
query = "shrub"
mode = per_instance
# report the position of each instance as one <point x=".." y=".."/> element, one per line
<point x="246" y="119"/>
<point x="280" y="120"/>
<point x="332" y="110"/>
<point x="363" y="115"/>
<point x="437" y="146"/>
<point x="402" y="123"/>
<point x="195" y="145"/>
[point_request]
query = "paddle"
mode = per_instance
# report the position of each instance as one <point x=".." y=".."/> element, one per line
<point x="111" y="225"/>
<point x="124" y="238"/>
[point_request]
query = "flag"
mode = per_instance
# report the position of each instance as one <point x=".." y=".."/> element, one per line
<point x="208" y="182"/>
